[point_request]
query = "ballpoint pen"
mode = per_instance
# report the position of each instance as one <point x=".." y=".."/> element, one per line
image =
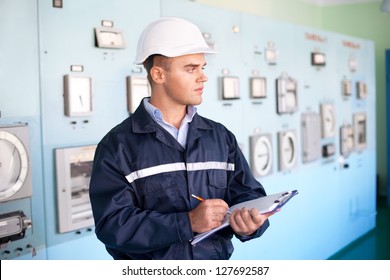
<point x="201" y="199"/>
<point x="197" y="197"/>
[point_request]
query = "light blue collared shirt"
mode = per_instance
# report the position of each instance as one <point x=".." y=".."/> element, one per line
<point x="179" y="134"/>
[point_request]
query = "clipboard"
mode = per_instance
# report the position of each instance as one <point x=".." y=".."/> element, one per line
<point x="265" y="204"/>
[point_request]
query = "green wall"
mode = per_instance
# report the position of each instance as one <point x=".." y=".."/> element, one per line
<point x="363" y="20"/>
<point x="296" y="11"/>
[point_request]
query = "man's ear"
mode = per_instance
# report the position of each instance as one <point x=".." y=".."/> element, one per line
<point x="157" y="74"/>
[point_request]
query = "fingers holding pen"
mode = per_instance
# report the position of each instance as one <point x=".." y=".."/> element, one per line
<point x="208" y="215"/>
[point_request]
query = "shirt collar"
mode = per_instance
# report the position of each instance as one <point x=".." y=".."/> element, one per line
<point x="157" y="115"/>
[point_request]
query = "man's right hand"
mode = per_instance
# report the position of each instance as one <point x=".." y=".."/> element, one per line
<point x="208" y="214"/>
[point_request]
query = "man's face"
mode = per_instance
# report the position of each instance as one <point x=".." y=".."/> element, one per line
<point x="184" y="79"/>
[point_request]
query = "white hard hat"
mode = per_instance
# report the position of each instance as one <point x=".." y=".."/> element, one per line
<point x="170" y="37"/>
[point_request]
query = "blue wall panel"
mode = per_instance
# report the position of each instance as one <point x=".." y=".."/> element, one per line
<point x="336" y="204"/>
<point x="20" y="104"/>
<point x="68" y="39"/>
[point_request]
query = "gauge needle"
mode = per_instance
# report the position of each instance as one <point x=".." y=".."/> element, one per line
<point x="81" y="100"/>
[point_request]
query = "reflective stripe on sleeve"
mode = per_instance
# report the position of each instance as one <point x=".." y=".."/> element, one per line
<point x="178" y="166"/>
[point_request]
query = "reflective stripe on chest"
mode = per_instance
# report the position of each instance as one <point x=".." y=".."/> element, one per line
<point x="179" y="166"/>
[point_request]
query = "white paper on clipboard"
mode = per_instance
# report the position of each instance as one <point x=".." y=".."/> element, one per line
<point x="265" y="204"/>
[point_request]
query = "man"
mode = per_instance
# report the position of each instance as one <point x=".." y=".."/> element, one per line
<point x="147" y="168"/>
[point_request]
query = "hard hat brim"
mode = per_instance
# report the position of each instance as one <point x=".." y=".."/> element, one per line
<point x="173" y="53"/>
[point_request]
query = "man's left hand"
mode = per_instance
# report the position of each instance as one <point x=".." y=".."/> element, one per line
<point x="245" y="222"/>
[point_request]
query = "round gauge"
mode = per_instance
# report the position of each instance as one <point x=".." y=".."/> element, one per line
<point x="13" y="164"/>
<point x="262" y="156"/>
<point x="288" y="150"/>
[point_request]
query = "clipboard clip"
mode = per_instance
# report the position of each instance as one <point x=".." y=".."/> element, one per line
<point x="285" y="198"/>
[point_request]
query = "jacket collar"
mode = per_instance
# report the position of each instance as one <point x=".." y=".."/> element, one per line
<point x="143" y="123"/>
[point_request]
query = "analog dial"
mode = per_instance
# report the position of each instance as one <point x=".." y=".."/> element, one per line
<point x="13" y="164"/>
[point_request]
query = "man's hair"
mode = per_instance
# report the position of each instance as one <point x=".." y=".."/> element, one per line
<point x="156" y="60"/>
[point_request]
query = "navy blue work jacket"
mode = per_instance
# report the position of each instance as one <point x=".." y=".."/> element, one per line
<point x="142" y="181"/>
